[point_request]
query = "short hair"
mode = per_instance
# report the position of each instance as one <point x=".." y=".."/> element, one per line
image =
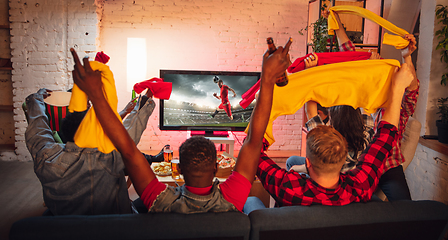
<point x="197" y="154"/>
<point x="70" y="124"/>
<point x="326" y="149"/>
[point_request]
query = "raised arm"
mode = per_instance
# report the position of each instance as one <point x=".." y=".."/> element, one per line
<point x="406" y="53"/>
<point x="90" y="82"/>
<point x="273" y="66"/>
<point x="401" y="79"/>
<point x="340" y="33"/>
<point x="128" y="108"/>
<point x="311" y="109"/>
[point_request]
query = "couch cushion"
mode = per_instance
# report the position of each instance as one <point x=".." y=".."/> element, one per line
<point x="229" y="225"/>
<point x="373" y="220"/>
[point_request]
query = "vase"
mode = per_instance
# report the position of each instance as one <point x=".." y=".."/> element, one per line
<point x="442" y="131"/>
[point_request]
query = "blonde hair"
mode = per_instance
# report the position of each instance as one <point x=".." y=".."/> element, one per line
<point x="326" y="149"/>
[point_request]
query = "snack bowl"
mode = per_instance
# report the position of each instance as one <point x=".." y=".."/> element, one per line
<point x="226" y="163"/>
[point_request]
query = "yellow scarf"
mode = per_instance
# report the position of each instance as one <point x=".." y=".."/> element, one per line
<point x="363" y="84"/>
<point x="397" y="41"/>
<point x="90" y="134"/>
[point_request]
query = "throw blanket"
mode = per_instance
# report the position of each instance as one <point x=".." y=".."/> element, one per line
<point x="90" y="134"/>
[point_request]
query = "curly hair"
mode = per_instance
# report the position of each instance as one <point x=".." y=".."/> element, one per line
<point x="349" y="123"/>
<point x="197" y="154"/>
<point x="326" y="149"/>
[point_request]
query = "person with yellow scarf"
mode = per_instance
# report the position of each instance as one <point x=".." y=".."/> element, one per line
<point x="393" y="182"/>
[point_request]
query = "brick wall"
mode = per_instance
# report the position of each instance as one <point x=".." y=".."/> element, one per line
<point x="196" y="35"/>
<point x="41" y="34"/>
<point x="202" y="35"/>
<point x="427" y="175"/>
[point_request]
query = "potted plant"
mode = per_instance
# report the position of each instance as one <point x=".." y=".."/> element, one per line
<point x="321" y="40"/>
<point x="442" y="103"/>
<point x="442" y="124"/>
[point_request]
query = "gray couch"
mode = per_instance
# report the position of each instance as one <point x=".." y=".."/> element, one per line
<point x="373" y="220"/>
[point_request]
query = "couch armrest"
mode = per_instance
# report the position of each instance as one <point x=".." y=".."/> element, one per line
<point x="410" y="139"/>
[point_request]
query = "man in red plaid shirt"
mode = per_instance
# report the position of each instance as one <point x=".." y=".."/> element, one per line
<point x="326" y="153"/>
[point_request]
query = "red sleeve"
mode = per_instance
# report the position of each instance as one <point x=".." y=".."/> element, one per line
<point x="236" y="190"/>
<point x="152" y="190"/>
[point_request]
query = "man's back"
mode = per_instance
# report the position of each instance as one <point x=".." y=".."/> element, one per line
<point x="357" y="185"/>
<point x="74" y="180"/>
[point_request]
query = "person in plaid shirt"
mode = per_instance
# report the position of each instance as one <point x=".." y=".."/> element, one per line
<point x="393" y="183"/>
<point x="326" y="152"/>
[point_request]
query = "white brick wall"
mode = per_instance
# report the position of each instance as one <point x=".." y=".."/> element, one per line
<point x="202" y="35"/>
<point x="427" y="175"/>
<point x="41" y="34"/>
<point x="198" y="35"/>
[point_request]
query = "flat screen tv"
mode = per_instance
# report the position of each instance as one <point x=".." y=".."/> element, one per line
<point x="192" y="105"/>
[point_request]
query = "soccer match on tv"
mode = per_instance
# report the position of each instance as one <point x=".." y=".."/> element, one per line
<point x="208" y="100"/>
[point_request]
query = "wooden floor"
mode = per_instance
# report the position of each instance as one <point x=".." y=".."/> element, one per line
<point x="21" y="192"/>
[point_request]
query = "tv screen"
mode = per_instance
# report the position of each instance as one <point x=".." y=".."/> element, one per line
<point x="193" y="106"/>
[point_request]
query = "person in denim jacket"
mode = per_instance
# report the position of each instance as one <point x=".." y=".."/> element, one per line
<point x="81" y="181"/>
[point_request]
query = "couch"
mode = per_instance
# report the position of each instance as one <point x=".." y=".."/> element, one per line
<point x="373" y="220"/>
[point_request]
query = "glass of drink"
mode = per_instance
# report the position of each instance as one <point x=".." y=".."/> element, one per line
<point x="167" y="154"/>
<point x="175" y="169"/>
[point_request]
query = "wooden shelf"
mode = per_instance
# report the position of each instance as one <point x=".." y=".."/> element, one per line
<point x="365" y="45"/>
<point x="434" y="145"/>
<point x="7" y="147"/>
<point x="6" y="68"/>
<point x="4" y="27"/>
<point x="6" y="108"/>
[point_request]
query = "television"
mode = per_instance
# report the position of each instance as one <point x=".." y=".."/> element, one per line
<point x="192" y="104"/>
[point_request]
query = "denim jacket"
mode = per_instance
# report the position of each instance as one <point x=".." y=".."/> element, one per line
<point x="81" y="181"/>
<point x="180" y="200"/>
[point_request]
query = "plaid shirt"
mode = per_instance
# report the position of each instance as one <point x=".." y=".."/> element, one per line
<point x="347" y="47"/>
<point x="407" y="109"/>
<point x="351" y="160"/>
<point x="357" y="185"/>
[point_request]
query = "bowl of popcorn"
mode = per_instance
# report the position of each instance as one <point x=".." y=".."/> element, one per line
<point x="162" y="168"/>
<point x="226" y="163"/>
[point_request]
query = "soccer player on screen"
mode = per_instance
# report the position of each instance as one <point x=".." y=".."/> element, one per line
<point x="224" y="97"/>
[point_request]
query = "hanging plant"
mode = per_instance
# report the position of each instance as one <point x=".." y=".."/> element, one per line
<point x="321" y="39"/>
<point x="442" y="35"/>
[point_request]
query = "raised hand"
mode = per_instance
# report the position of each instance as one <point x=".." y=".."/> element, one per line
<point x="403" y="77"/>
<point x="411" y="47"/>
<point x="311" y="61"/>
<point x="44" y="92"/>
<point x="85" y="78"/>
<point x="275" y="64"/>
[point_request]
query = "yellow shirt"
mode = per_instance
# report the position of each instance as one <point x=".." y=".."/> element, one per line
<point x="90" y="134"/>
<point x="362" y="83"/>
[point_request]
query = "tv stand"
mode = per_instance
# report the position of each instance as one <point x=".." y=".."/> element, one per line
<point x="210" y="133"/>
<point x="226" y="139"/>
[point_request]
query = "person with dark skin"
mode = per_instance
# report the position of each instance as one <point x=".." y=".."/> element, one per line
<point x="159" y="198"/>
